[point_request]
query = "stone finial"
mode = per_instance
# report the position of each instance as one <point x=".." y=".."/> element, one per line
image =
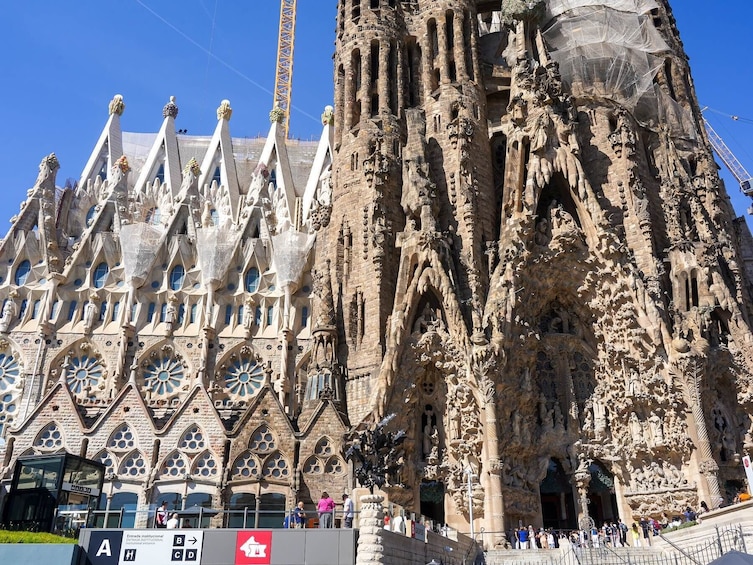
<point x="224" y="111"/>
<point x="328" y="116"/>
<point x="51" y="162"/>
<point x="122" y="164"/>
<point x="117" y="106"/>
<point x="277" y="115"/>
<point x="192" y="167"/>
<point x="170" y="109"/>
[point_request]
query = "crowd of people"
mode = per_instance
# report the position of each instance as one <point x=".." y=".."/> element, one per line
<point x="325" y="512"/>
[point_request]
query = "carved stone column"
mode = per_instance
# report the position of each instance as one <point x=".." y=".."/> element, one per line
<point x="494" y="518"/>
<point x="371" y="522"/>
<point x="582" y="479"/>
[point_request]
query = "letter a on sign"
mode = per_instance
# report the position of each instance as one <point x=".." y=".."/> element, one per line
<point x="104" y="547"/>
<point x="253" y="547"/>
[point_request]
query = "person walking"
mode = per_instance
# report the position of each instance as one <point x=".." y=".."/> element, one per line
<point x="325" y="507"/>
<point x="347" y="511"/>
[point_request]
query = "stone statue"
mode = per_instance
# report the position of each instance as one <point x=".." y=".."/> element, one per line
<point x="636" y="429"/>
<point x="90" y="312"/>
<point x="10" y="311"/>
<point x="657" y="429"/>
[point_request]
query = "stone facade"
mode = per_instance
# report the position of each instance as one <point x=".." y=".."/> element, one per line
<point x="522" y="249"/>
<point x="538" y="267"/>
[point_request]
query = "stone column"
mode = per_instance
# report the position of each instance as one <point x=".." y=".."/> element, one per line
<point x="582" y="479"/>
<point x="461" y="72"/>
<point x="383" y="81"/>
<point x="370" y="548"/>
<point x="494" y="515"/>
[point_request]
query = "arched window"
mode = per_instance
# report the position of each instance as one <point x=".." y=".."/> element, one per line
<point x="100" y="275"/>
<point x="192" y="315"/>
<point x="22" y="272"/>
<point x="35" y="309"/>
<point x="252" y="280"/>
<point x="72" y="310"/>
<point x="91" y="212"/>
<point x="177" y="276"/>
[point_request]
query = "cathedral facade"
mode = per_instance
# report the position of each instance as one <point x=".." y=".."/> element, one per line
<point x="512" y="235"/>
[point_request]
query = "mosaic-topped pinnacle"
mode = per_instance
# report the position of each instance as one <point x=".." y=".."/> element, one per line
<point x="170" y="109"/>
<point x="224" y="111"/>
<point x="328" y="116"/>
<point x="277" y="115"/>
<point x="192" y="167"/>
<point x="117" y="106"/>
<point x="122" y="164"/>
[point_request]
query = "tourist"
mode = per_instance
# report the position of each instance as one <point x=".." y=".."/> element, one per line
<point x="160" y="519"/>
<point x="523" y="538"/>
<point x="187" y="523"/>
<point x="622" y="526"/>
<point x="347" y="511"/>
<point x="636" y="535"/>
<point x="299" y="516"/>
<point x="325" y="507"/>
<point x="173" y="522"/>
<point x="532" y="538"/>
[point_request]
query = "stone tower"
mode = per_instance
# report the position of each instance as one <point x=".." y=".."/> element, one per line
<point x="537" y="266"/>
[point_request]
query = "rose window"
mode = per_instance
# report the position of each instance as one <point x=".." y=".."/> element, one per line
<point x="122" y="439"/>
<point x="244" y="378"/>
<point x="262" y="441"/>
<point x="276" y="467"/>
<point x="193" y="439"/>
<point x="9" y="372"/>
<point x="133" y="465"/>
<point x="164" y="375"/>
<point x="84" y="373"/>
<point x="50" y="438"/>
<point x="174" y="466"/>
<point x="245" y="467"/>
<point x="206" y="466"/>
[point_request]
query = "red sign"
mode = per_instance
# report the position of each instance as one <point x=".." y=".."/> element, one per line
<point x="253" y="547"/>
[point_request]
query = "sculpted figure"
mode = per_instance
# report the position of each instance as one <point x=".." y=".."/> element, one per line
<point x="10" y="311"/>
<point x="636" y="429"/>
<point x="90" y="311"/>
<point x="657" y="429"/>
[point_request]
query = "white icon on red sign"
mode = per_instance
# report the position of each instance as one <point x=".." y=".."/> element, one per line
<point x="253" y="547"/>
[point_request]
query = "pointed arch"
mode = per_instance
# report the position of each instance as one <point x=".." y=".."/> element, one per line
<point x="133" y="465"/>
<point x="108" y="460"/>
<point x="50" y="438"/>
<point x="263" y="440"/>
<point x="205" y="466"/>
<point x="276" y="467"/>
<point x="193" y="439"/>
<point x="174" y="466"/>
<point x="122" y="439"/>
<point x="245" y="466"/>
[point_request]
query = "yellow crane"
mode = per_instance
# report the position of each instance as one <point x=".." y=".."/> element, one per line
<point x="284" y="71"/>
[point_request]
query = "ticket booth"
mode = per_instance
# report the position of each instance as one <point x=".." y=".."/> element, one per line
<point x="53" y="493"/>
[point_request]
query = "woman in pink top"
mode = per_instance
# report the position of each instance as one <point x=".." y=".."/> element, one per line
<point x="325" y="507"/>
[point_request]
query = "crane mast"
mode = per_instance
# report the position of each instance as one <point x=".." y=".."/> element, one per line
<point x="284" y="70"/>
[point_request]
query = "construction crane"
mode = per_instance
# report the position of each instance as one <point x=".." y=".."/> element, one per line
<point x="284" y="71"/>
<point x="729" y="159"/>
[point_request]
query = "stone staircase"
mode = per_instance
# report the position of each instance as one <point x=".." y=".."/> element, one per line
<point x="578" y="556"/>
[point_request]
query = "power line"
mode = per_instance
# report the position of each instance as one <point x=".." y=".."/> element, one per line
<point x="219" y="60"/>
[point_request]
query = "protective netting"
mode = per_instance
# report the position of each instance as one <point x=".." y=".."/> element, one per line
<point x="139" y="243"/>
<point x="291" y="249"/>
<point x="612" y="50"/>
<point x="215" y="247"/>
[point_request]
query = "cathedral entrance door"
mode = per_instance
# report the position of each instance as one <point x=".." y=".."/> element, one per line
<point x="557" y="502"/>
<point x="602" y="505"/>
<point x="432" y="500"/>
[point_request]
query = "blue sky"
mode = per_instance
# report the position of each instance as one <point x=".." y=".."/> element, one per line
<point x="62" y="62"/>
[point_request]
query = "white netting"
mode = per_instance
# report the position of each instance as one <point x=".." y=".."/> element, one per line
<point x="557" y="7"/>
<point x="291" y="249"/>
<point x="215" y="247"/>
<point x="139" y="243"/>
<point x="612" y="50"/>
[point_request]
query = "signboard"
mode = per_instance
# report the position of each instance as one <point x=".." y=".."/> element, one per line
<point x="253" y="547"/>
<point x="104" y="547"/>
<point x="147" y="547"/>
<point x="419" y="531"/>
<point x="748" y="473"/>
<point x="71" y="487"/>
